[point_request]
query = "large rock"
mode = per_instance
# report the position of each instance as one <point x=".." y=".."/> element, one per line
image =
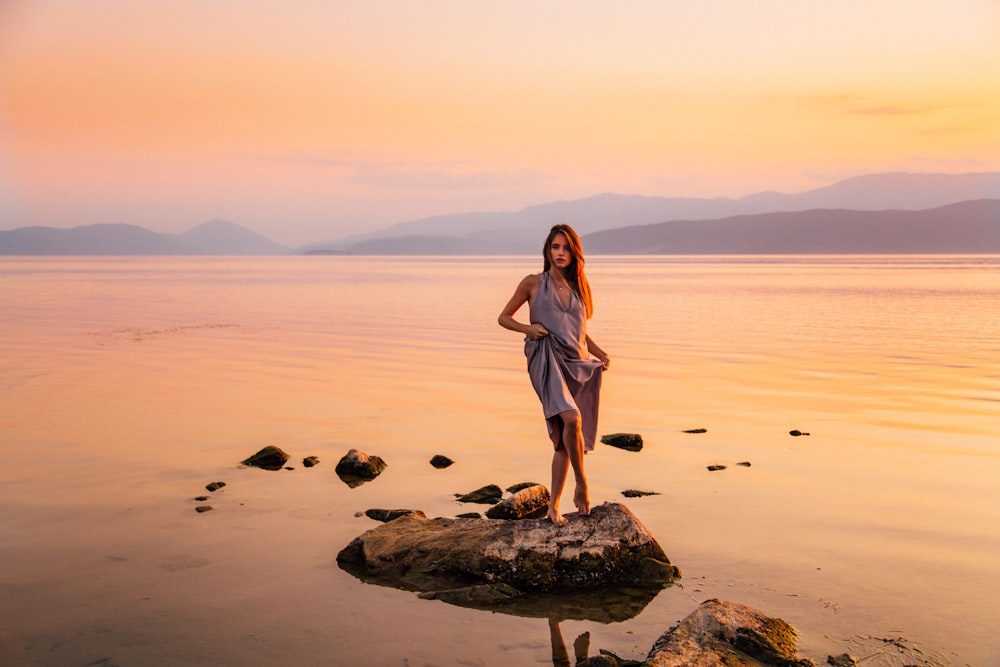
<point x="610" y="546"/>
<point x="727" y="633"/>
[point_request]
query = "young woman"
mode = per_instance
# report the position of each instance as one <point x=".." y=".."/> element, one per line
<point x="565" y="365"/>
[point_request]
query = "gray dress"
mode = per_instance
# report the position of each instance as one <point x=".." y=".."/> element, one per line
<point x="562" y="372"/>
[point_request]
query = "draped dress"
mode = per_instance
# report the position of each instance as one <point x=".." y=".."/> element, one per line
<point x="562" y="372"/>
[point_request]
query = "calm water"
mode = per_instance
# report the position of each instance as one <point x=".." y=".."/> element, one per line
<point x="127" y="384"/>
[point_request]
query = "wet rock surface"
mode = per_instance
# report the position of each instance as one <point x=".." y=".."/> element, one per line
<point x="610" y="546"/>
<point x="628" y="441"/>
<point x="390" y="515"/>
<point x="530" y="502"/>
<point x="727" y="633"/>
<point x="440" y="461"/>
<point x="268" y="458"/>
<point x="486" y="495"/>
<point x="356" y="467"/>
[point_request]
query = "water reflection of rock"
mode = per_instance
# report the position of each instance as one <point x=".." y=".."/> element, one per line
<point x="608" y="604"/>
<point x="605" y="567"/>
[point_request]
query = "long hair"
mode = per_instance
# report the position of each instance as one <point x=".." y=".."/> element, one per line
<point x="575" y="275"/>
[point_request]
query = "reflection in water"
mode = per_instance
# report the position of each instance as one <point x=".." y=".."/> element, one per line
<point x="602" y="605"/>
<point x="560" y="657"/>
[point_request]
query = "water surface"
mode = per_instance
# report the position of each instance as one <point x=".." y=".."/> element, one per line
<point x="127" y="384"/>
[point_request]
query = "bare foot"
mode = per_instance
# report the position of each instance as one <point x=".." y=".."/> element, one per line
<point x="581" y="498"/>
<point x="556" y="518"/>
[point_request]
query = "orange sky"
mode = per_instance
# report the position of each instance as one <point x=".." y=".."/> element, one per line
<point x="309" y="120"/>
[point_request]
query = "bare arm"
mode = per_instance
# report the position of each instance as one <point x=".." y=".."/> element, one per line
<point x="524" y="293"/>
<point x="596" y="351"/>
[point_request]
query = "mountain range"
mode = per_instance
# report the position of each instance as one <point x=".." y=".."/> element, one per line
<point x="215" y="237"/>
<point x="883" y="213"/>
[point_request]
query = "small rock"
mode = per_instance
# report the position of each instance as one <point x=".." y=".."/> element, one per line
<point x="356" y="466"/>
<point x="632" y="493"/>
<point x="268" y="458"/>
<point x="716" y="467"/>
<point x="842" y="660"/>
<point x="389" y="515"/>
<point x="528" y="503"/>
<point x="469" y="515"/>
<point x="796" y="433"/>
<point x="215" y="486"/>
<point x="745" y="464"/>
<point x="629" y="441"/>
<point x="696" y="430"/>
<point x="203" y="508"/>
<point x="439" y="461"/>
<point x="486" y="495"/>
<point x="201" y="499"/>
<point x="310" y="461"/>
<point x="521" y="485"/>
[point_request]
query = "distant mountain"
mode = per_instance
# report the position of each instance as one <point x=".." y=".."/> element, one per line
<point x="219" y="237"/>
<point x="971" y="227"/>
<point x="522" y="231"/>
<point x="216" y="237"/>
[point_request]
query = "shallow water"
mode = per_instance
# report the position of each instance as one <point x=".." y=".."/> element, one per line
<point x="127" y="384"/>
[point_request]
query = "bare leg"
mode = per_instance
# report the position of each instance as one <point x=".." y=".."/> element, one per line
<point x="560" y="656"/>
<point x="560" y="467"/>
<point x="573" y="443"/>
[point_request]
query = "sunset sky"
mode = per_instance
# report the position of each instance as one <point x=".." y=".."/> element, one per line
<point x="313" y="119"/>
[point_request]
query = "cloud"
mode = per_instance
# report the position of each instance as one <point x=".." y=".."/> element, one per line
<point x="962" y="163"/>
<point x="447" y="176"/>
<point x="885" y="111"/>
<point x="437" y="179"/>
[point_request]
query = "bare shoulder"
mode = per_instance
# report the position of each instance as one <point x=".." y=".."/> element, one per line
<point x="529" y="284"/>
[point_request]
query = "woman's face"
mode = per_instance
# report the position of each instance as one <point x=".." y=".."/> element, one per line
<point x="559" y="252"/>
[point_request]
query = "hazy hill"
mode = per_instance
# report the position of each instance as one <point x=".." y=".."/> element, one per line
<point x="219" y="237"/>
<point x="967" y="227"/>
<point x="522" y="231"/>
<point x="215" y="237"/>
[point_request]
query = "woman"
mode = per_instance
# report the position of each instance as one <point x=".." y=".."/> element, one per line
<point x="565" y="377"/>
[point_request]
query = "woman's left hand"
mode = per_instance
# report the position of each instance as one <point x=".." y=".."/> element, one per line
<point x="606" y="362"/>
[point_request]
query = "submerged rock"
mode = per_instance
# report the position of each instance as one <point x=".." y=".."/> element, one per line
<point x="633" y="493"/>
<point x="630" y="441"/>
<point x="203" y="508"/>
<point x="356" y="467"/>
<point x="696" y="430"/>
<point x="727" y="633"/>
<point x="609" y="546"/>
<point x="486" y="495"/>
<point x="713" y="468"/>
<point x="214" y="486"/>
<point x="514" y="488"/>
<point x="310" y="461"/>
<point x="390" y="515"/>
<point x="268" y="458"/>
<point x="796" y="432"/>
<point x="440" y="461"/>
<point x="531" y="502"/>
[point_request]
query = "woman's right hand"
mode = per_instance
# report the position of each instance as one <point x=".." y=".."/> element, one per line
<point x="536" y="331"/>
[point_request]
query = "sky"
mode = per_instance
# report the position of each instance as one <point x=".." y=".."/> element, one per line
<point x="311" y="120"/>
